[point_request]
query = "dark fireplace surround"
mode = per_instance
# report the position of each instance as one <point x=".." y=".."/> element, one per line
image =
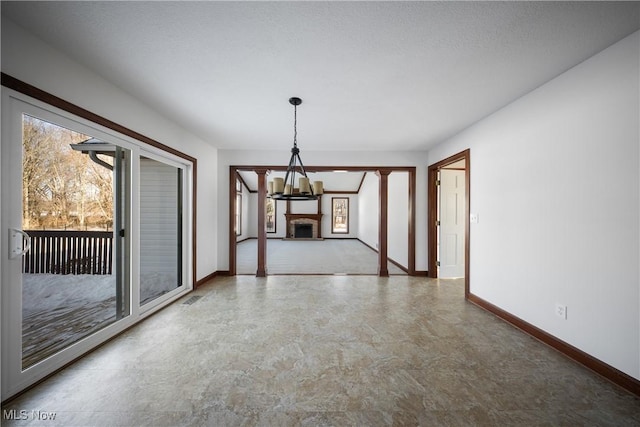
<point x="303" y="231"/>
<point x="303" y="226"/>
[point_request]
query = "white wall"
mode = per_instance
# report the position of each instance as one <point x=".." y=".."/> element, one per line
<point x="281" y="221"/>
<point x="398" y="215"/>
<point x="327" y="208"/>
<point x="368" y="210"/>
<point x="252" y="219"/>
<point x="398" y="218"/>
<point x="247" y="229"/>
<point x="303" y="207"/>
<point x="555" y="182"/>
<point x="29" y="59"/>
<point x="228" y="158"/>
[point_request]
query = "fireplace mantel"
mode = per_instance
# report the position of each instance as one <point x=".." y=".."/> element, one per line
<point x="315" y="219"/>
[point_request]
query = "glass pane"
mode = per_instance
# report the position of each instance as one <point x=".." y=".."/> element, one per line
<point x="160" y="229"/>
<point x="340" y="215"/>
<point x="69" y="277"/>
<point x="270" y="207"/>
<point x="238" y="218"/>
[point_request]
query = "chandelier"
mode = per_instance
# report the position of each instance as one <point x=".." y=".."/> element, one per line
<point x="284" y="188"/>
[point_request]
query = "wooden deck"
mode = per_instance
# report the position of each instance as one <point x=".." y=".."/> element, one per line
<point x="60" y="310"/>
<point x="46" y="333"/>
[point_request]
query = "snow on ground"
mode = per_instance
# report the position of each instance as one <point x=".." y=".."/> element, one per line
<point x="42" y="292"/>
<point x="48" y="292"/>
<point x="58" y="310"/>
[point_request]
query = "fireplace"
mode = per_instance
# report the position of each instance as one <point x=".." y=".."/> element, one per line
<point x="303" y="231"/>
<point x="303" y="226"/>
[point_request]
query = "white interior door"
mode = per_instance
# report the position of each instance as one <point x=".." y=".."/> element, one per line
<point x="452" y="228"/>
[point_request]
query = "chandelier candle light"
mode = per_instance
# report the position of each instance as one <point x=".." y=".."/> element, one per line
<point x="284" y="188"/>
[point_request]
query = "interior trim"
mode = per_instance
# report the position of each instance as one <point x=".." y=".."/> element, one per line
<point x="32" y="91"/>
<point x="432" y="214"/>
<point x="607" y="371"/>
<point x="364" y="175"/>
<point x="209" y="277"/>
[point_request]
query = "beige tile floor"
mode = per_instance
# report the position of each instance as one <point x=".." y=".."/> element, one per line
<point x="325" y="350"/>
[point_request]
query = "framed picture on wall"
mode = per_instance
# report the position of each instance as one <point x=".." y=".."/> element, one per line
<point x="340" y="215"/>
<point x="271" y="215"/>
<point x="238" y="219"/>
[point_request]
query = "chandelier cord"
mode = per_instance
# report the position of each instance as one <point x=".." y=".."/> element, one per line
<point x="295" y="125"/>
<point x="285" y="188"/>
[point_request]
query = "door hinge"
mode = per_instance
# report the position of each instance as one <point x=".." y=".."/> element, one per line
<point x="437" y="223"/>
<point x="121" y="233"/>
<point x="437" y="182"/>
<point x="438" y="263"/>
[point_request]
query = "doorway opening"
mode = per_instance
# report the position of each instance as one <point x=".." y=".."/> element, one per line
<point x="403" y="196"/>
<point x="448" y="217"/>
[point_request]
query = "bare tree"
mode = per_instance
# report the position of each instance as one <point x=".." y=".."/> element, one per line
<point x="62" y="188"/>
<point x="101" y="179"/>
<point x="37" y="143"/>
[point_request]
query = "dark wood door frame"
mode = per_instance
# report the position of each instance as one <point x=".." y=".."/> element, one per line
<point x="411" y="170"/>
<point x="262" y="229"/>
<point x="383" y="222"/>
<point x="432" y="199"/>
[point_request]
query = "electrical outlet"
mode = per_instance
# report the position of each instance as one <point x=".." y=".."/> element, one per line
<point x="473" y="218"/>
<point x="561" y="311"/>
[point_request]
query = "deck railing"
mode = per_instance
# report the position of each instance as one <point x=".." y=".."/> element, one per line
<point x="69" y="252"/>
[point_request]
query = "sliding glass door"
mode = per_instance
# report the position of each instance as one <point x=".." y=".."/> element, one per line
<point x="65" y="216"/>
<point x="96" y="236"/>
<point x="72" y="281"/>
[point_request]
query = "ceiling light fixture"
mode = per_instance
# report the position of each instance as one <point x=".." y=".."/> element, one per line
<point x="284" y="188"/>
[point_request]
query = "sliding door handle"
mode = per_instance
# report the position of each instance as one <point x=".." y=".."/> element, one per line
<point x="19" y="243"/>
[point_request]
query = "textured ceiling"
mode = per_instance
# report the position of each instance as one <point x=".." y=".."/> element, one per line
<point x="372" y="75"/>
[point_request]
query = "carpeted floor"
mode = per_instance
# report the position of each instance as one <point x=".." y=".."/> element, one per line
<point x="329" y="256"/>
